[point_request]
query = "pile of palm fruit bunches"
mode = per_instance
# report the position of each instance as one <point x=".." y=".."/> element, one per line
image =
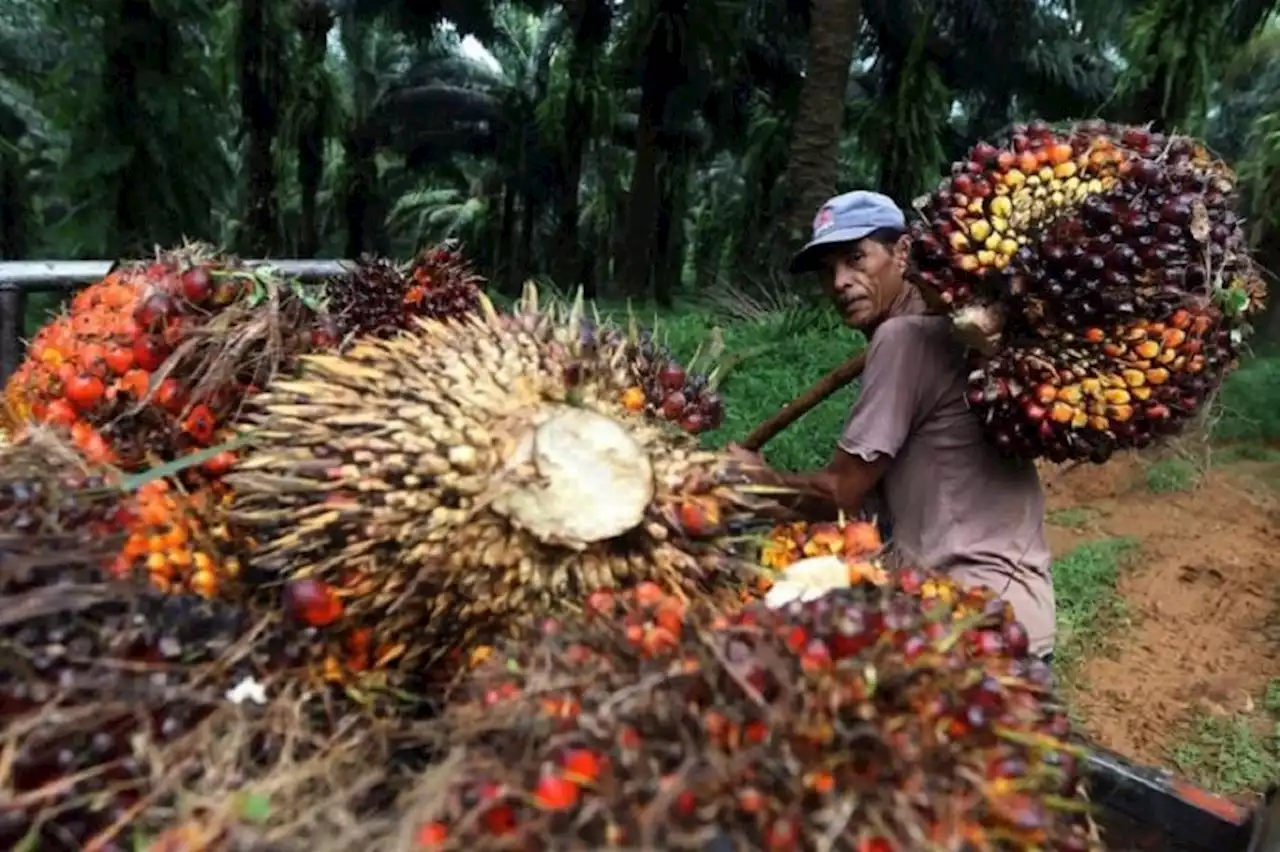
<point x="1104" y="269"/>
<point x="390" y="484"/>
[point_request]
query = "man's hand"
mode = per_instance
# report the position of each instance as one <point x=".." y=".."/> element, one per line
<point x="742" y="454"/>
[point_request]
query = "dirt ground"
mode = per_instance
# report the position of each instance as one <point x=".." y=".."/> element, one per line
<point x="1201" y="631"/>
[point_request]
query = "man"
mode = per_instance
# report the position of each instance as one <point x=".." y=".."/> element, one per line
<point x="954" y="504"/>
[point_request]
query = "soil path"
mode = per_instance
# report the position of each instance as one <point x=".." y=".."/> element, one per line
<point x="1201" y="598"/>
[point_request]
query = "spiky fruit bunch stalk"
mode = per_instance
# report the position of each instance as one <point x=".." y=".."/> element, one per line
<point x="379" y="297"/>
<point x="478" y="473"/>
<point x="871" y="719"/>
<point x="1104" y="271"/>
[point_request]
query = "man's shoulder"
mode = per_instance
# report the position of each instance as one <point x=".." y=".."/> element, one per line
<point x="916" y="330"/>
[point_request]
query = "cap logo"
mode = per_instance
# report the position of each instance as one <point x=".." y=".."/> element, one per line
<point x="824" y="221"/>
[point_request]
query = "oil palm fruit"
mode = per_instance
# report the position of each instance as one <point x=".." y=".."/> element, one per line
<point x="475" y="473"/>
<point x="55" y="506"/>
<point x="1105" y="270"/>
<point x="103" y="687"/>
<point x="874" y="718"/>
<point x="150" y="363"/>
<point x="380" y="297"/>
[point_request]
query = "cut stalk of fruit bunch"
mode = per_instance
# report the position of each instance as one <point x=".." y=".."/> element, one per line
<point x="873" y="718"/>
<point x="480" y="473"/>
<point x="1113" y="265"/>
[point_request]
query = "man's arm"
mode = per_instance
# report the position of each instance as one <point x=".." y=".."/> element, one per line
<point x="881" y="421"/>
<point x="842" y="485"/>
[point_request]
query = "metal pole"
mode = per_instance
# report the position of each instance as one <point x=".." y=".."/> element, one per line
<point x="63" y="274"/>
<point x="20" y="277"/>
<point x="13" y="308"/>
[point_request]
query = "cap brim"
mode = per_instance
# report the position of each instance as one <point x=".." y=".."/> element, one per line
<point x="809" y="258"/>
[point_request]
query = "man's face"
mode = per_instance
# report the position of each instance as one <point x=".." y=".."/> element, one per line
<point x="865" y="278"/>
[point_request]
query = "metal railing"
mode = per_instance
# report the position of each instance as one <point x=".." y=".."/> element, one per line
<point x="19" y="278"/>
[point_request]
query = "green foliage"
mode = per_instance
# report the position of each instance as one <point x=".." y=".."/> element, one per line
<point x="1235" y="752"/>
<point x="1250" y="402"/>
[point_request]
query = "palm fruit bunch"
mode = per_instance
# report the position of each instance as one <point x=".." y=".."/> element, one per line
<point x="99" y="677"/>
<point x="1102" y="273"/>
<point x="664" y="388"/>
<point x="54" y="505"/>
<point x="438" y="486"/>
<point x="149" y="366"/>
<point x="150" y="363"/>
<point x="873" y="718"/>
<point x="379" y="297"/>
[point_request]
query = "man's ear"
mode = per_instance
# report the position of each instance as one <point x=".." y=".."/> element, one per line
<point x="902" y="252"/>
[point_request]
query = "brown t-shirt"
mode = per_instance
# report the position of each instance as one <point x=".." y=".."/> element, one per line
<point x="954" y="504"/>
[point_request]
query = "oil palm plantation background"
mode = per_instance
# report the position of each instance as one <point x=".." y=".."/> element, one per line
<point x="647" y="149"/>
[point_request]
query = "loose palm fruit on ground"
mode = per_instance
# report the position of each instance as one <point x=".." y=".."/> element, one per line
<point x="379" y="297"/>
<point x="875" y="718"/>
<point x="1113" y="261"/>
<point x="435" y="486"/>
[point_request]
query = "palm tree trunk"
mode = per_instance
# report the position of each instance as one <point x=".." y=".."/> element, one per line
<point x="14" y="211"/>
<point x="259" y="48"/>
<point x="314" y="22"/>
<point x="504" y="269"/>
<point x="358" y="189"/>
<point x="663" y="73"/>
<point x="815" y="140"/>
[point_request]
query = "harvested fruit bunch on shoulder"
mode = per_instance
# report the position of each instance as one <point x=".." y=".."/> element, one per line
<point x="870" y="719"/>
<point x="434" y="486"/>
<point x="1104" y="271"/>
<point x="379" y="297"/>
<point x="106" y="693"/>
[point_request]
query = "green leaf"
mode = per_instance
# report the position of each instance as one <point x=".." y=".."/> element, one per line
<point x="137" y="480"/>
<point x="255" y="808"/>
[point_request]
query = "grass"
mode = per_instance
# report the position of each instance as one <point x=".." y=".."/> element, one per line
<point x="1084" y="582"/>
<point x="1172" y="474"/>
<point x="1075" y="518"/>
<point x="1235" y="753"/>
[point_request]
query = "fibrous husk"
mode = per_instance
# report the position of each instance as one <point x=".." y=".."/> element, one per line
<point x="906" y="716"/>
<point x="1102" y="276"/>
<point x="478" y="472"/>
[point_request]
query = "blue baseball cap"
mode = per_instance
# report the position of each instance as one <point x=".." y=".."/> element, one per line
<point x="845" y="219"/>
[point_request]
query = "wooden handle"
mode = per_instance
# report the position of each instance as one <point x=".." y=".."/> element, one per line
<point x="805" y="402"/>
